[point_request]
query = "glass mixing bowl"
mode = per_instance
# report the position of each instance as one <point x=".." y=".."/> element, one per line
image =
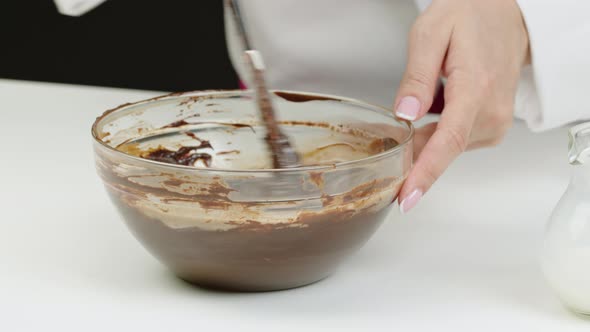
<point x="221" y="217"/>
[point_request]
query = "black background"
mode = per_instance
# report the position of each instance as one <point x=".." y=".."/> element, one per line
<point x="169" y="45"/>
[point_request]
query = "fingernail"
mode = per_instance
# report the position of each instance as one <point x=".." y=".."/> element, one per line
<point x="408" y="108"/>
<point x="410" y="201"/>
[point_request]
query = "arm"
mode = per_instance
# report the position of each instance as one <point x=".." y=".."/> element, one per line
<point x="556" y="89"/>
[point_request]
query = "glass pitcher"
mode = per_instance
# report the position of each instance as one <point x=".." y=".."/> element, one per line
<point x="566" y="251"/>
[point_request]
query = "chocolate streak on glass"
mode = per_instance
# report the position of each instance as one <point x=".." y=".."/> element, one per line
<point x="186" y="155"/>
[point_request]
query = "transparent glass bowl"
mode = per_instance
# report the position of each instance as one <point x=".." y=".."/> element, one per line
<point x="252" y="228"/>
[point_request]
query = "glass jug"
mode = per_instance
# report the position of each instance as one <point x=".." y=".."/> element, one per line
<point x="566" y="251"/>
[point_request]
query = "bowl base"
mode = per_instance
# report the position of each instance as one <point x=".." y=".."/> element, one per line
<point x="229" y="286"/>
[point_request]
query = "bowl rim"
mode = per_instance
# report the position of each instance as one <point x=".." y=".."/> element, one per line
<point x="236" y="92"/>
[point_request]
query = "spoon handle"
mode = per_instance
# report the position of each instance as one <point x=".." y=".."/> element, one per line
<point x="283" y="154"/>
<point x="239" y="21"/>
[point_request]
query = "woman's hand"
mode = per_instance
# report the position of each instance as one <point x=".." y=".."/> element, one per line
<point x="480" y="47"/>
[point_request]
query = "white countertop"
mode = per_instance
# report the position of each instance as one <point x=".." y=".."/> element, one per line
<point x="466" y="259"/>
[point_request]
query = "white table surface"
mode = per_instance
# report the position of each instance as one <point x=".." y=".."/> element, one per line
<point x="465" y="260"/>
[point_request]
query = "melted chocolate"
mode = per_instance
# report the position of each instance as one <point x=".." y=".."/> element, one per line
<point x="235" y="125"/>
<point x="186" y="155"/>
<point x="257" y="256"/>
<point x="308" y="124"/>
<point x="228" y="152"/>
<point x="183" y="122"/>
<point x="300" y="98"/>
<point x="193" y="136"/>
<point x="176" y="124"/>
<point x="382" y="145"/>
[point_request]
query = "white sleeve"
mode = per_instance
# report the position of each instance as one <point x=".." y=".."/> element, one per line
<point x="556" y="90"/>
<point x="76" y="7"/>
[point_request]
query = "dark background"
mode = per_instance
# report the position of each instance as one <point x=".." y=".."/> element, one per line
<point x="169" y="45"/>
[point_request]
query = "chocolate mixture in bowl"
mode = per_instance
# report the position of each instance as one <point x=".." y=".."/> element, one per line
<point x="211" y="207"/>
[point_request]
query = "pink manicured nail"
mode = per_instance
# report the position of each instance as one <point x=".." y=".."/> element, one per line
<point x="410" y="201"/>
<point x="408" y="108"/>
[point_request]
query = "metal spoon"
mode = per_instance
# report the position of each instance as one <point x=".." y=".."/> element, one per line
<point x="283" y="154"/>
